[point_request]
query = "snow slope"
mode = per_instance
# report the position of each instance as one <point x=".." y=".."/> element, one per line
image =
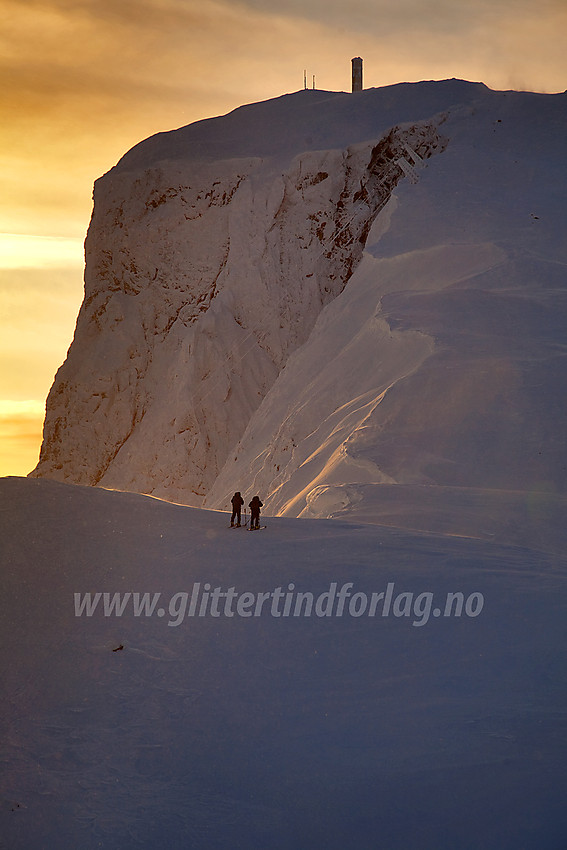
<point x="441" y="366"/>
<point x="394" y="731"/>
<point x="324" y="294"/>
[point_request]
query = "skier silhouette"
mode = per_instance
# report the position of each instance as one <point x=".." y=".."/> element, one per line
<point x="255" y="506"/>
<point x="237" y="501"/>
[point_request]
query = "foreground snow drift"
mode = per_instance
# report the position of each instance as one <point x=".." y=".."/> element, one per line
<point x="402" y="729"/>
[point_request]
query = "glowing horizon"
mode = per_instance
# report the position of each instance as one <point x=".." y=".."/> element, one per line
<point x="84" y="82"/>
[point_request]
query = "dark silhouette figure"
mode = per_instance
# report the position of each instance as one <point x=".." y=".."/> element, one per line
<point x="237" y="502"/>
<point x="255" y="506"/>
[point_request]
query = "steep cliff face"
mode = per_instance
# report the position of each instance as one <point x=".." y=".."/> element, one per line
<point x="201" y="279"/>
<point x="325" y="297"/>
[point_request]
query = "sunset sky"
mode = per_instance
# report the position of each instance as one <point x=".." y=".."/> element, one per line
<point x="82" y="81"/>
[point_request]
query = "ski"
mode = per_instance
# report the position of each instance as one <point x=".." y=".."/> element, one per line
<point x="260" y="527"/>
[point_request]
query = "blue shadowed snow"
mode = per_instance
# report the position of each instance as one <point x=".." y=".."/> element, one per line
<point x="273" y="732"/>
<point x="302" y="121"/>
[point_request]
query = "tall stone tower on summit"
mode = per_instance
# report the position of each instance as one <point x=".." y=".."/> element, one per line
<point x="357" y="74"/>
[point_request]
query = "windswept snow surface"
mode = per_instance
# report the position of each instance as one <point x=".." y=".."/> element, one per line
<point x="396" y="731"/>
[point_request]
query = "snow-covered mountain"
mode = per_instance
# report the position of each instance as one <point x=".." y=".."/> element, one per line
<point x="355" y="306"/>
<point x="327" y="297"/>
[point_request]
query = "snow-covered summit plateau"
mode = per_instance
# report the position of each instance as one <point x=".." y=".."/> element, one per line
<point x="324" y="298"/>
